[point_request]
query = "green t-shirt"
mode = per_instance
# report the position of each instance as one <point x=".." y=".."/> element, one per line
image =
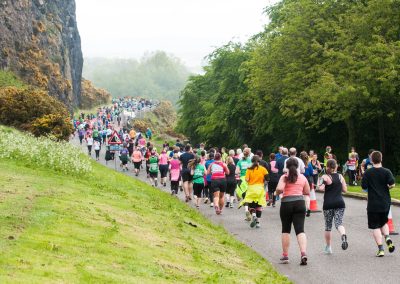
<point x="95" y="133"/>
<point x="153" y="164"/>
<point x="198" y="176"/>
<point x="243" y="165"/>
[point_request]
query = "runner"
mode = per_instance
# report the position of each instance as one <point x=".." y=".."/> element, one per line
<point x="273" y="180"/>
<point x="328" y="154"/>
<point x="218" y="170"/>
<point x="198" y="172"/>
<point x="308" y="173"/>
<point x="163" y="163"/>
<point x="153" y="167"/>
<point x="137" y="159"/>
<point x="379" y="180"/>
<point x="351" y="168"/>
<point x="124" y="157"/>
<point x="316" y="166"/>
<point x="97" y="148"/>
<point x="293" y="209"/>
<point x="207" y="189"/>
<point x="81" y="135"/>
<point x="187" y="178"/>
<point x="89" y="143"/>
<point x="334" y="206"/>
<point x="175" y="173"/>
<point x="292" y="154"/>
<point x="241" y="169"/>
<point x="255" y="194"/>
<point x="230" y="182"/>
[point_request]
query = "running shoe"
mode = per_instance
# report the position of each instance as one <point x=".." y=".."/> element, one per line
<point x="248" y="216"/>
<point x="258" y="225"/>
<point x="253" y="222"/>
<point x="217" y="210"/>
<point x="284" y="259"/>
<point x="230" y="205"/>
<point x="269" y="203"/>
<point x="390" y="245"/>
<point x="206" y="201"/>
<point x="380" y="253"/>
<point x="187" y="199"/>
<point x="345" y="244"/>
<point x="308" y="213"/>
<point x="303" y="260"/>
<point x="273" y="205"/>
<point x="155" y="182"/>
<point x="227" y="205"/>
<point x="212" y="204"/>
<point x="328" y="250"/>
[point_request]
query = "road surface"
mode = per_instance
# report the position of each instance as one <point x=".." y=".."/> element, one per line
<point x="357" y="264"/>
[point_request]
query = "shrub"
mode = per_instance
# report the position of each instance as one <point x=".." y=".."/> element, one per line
<point x="140" y="125"/>
<point x="43" y="152"/>
<point x="92" y="96"/>
<point x="29" y="108"/>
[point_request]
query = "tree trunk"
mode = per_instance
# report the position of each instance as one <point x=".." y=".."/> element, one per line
<point x="381" y="127"/>
<point x="351" y="131"/>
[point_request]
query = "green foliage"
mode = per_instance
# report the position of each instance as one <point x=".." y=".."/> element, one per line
<point x="42" y="152"/>
<point x="321" y="70"/>
<point x="156" y="76"/>
<point x="8" y="79"/>
<point x="35" y="111"/>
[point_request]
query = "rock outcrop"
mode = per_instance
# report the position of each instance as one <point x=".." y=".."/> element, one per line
<point x="40" y="42"/>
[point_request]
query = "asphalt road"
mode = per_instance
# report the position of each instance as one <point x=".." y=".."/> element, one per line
<point x="357" y="264"/>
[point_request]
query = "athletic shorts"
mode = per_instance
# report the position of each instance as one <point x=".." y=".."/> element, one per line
<point x="231" y="187"/>
<point x="186" y="176"/>
<point x="218" y="185"/>
<point x="377" y="220"/>
<point x="163" y="170"/>
<point x="198" y="189"/>
<point x="153" y="175"/>
<point x="137" y="165"/>
<point x="293" y="212"/>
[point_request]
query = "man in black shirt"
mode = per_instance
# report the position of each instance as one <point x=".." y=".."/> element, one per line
<point x="187" y="178"/>
<point x="378" y="181"/>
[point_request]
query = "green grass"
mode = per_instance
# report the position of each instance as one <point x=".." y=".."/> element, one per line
<point x="394" y="192"/>
<point x="106" y="227"/>
<point x="9" y="79"/>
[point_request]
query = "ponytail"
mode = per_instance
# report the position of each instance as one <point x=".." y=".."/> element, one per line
<point x="292" y="165"/>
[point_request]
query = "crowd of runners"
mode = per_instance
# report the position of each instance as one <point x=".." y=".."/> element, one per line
<point x="241" y="178"/>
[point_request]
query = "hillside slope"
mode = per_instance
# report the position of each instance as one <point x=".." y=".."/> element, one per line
<point x="104" y="227"/>
<point x="40" y="43"/>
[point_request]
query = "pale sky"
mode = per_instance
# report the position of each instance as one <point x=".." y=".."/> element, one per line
<point x="188" y="29"/>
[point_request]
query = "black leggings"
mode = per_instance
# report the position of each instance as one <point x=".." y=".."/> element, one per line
<point x="293" y="212"/>
<point x="271" y="190"/>
<point x="255" y="207"/>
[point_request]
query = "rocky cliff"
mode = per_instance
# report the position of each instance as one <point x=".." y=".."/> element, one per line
<point x="40" y="42"/>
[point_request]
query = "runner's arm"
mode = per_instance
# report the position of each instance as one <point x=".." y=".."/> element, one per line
<point x="344" y="185"/>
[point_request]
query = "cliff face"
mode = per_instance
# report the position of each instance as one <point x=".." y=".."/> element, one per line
<point x="39" y="41"/>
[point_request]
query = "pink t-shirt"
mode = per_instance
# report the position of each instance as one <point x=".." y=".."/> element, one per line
<point x="163" y="159"/>
<point x="137" y="156"/>
<point x="293" y="189"/>
<point x="175" y="169"/>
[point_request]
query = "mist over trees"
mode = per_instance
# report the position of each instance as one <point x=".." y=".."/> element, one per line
<point x="156" y="75"/>
<point x="321" y="73"/>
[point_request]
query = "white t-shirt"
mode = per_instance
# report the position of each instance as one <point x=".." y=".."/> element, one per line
<point x="301" y="169"/>
<point x="89" y="141"/>
<point x="97" y="145"/>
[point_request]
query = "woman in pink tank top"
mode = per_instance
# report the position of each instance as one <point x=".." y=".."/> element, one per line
<point x="175" y="173"/>
<point x="163" y="167"/>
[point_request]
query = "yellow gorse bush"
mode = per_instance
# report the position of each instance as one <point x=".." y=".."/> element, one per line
<point x="42" y="152"/>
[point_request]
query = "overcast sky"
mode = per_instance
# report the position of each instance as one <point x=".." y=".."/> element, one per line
<point x="189" y="29"/>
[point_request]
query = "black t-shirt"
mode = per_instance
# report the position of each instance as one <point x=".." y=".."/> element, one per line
<point x="231" y="177"/>
<point x="333" y="198"/>
<point x="185" y="158"/>
<point x="376" y="181"/>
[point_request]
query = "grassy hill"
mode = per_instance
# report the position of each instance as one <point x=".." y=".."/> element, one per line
<point x="77" y="221"/>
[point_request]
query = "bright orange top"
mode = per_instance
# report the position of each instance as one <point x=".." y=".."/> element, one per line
<point x="256" y="175"/>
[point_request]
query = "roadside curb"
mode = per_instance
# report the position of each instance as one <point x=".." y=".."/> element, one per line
<point x="362" y="196"/>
